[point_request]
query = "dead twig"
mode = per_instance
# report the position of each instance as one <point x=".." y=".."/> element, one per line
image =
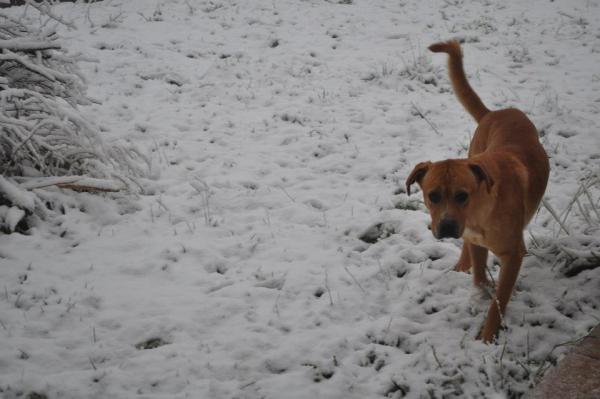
<point x="437" y="360"/>
<point x="550" y="209"/>
<point x="355" y="280"/>
<point x="422" y="116"/>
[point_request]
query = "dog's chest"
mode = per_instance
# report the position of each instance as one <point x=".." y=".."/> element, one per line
<point x="474" y="237"/>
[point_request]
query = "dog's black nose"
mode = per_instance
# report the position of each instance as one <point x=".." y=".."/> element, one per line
<point x="448" y="228"/>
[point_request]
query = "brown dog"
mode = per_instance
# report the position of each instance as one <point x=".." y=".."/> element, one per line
<point x="488" y="198"/>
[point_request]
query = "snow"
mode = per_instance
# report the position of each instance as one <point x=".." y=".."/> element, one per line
<point x="277" y="134"/>
<point x="11" y="216"/>
<point x="16" y="195"/>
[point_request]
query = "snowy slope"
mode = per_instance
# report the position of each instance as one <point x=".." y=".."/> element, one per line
<point x="278" y="133"/>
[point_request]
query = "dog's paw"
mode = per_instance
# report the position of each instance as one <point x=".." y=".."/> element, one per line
<point x="486" y="335"/>
<point x="462" y="267"/>
<point x="489" y="331"/>
<point x="485" y="284"/>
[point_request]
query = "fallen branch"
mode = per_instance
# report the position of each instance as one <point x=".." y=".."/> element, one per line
<point x="19" y="44"/>
<point x="76" y="183"/>
<point x="86" y="188"/>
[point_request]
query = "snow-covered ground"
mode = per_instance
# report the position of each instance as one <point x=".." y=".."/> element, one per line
<point x="278" y="132"/>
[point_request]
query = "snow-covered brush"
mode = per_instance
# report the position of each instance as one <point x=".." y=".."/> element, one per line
<point x="585" y="202"/>
<point x="32" y="58"/>
<point x="44" y="136"/>
<point x="578" y="251"/>
<point x="42" y="133"/>
<point x="421" y="70"/>
<point x="572" y="255"/>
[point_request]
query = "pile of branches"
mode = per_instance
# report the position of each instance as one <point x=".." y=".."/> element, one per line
<point x="42" y="133"/>
<point x="575" y="247"/>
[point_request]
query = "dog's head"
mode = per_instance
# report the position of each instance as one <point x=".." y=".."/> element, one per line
<point x="450" y="188"/>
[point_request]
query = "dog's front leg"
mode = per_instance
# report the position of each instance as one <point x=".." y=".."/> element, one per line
<point x="510" y="265"/>
<point x="464" y="262"/>
<point x="479" y="262"/>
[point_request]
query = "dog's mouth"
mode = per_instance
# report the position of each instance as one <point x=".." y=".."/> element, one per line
<point x="447" y="228"/>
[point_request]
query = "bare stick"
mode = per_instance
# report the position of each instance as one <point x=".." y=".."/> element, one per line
<point x="435" y="357"/>
<point x="501" y="362"/>
<point x="327" y="288"/>
<point x="555" y="215"/>
<point x="92" y="363"/>
<point x="418" y="111"/>
<point x="84" y="188"/>
<point x="355" y="280"/>
<point x="286" y="193"/>
<point x="589" y="197"/>
<point x="584" y="212"/>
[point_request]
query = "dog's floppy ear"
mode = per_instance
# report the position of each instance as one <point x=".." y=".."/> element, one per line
<point x="481" y="174"/>
<point x="417" y="175"/>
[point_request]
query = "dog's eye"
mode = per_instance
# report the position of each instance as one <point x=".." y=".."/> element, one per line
<point x="461" y="197"/>
<point x="434" y="197"/>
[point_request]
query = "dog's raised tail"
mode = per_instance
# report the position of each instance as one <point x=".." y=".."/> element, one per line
<point x="466" y="95"/>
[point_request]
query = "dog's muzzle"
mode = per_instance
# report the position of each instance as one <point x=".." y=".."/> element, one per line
<point x="448" y="228"/>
